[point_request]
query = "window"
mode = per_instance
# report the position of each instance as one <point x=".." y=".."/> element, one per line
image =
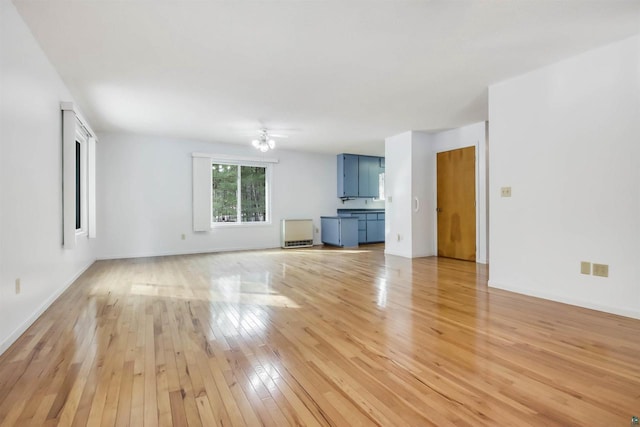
<point x="81" y="179"/>
<point x="381" y="186"/>
<point x="78" y="177"/>
<point x="231" y="191"/>
<point x="78" y="186"/>
<point x="239" y="193"/>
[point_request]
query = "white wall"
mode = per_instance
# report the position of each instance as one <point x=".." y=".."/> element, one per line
<point x="30" y="181"/>
<point x="411" y="171"/>
<point x="423" y="205"/>
<point x="566" y="138"/>
<point x="398" y="192"/>
<point x="145" y="198"/>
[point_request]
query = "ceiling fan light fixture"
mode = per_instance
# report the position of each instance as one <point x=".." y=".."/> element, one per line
<point x="264" y="143"/>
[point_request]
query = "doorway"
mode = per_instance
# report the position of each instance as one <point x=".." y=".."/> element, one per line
<point x="456" y="200"/>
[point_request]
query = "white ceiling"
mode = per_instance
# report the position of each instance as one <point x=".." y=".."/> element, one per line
<point x="341" y="75"/>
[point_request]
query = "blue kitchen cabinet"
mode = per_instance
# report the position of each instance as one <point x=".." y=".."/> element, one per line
<point x="372" y="227"/>
<point x="372" y="231"/>
<point x="375" y="227"/>
<point x="380" y="227"/>
<point x="339" y="231"/>
<point x="368" y="170"/>
<point x="370" y="224"/>
<point x="358" y="176"/>
<point x="348" y="175"/>
<point x="362" y="226"/>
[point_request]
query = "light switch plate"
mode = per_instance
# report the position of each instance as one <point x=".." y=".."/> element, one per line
<point x="505" y="192"/>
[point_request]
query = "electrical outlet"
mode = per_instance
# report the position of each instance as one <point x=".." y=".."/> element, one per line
<point x="184" y="237"/>
<point x="389" y="199"/>
<point x="399" y="237"/>
<point x="585" y="267"/>
<point x="18" y="286"/>
<point x="601" y="270"/>
<point x="317" y="230"/>
<point x="505" y="192"/>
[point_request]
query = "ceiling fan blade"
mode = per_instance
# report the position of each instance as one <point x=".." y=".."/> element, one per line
<point x="278" y="133"/>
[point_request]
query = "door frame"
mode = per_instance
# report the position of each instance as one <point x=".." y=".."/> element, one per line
<point x="481" y="181"/>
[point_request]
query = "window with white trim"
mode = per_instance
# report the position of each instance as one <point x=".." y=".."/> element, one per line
<point x="231" y="191"/>
<point x="239" y="193"/>
<point x="81" y="180"/>
<point x="78" y="177"/>
<point x="380" y="186"/>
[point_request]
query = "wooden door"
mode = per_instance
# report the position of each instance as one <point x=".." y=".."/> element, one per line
<point x="456" y="204"/>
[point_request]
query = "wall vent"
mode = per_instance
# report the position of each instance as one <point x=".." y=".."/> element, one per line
<point x="296" y="233"/>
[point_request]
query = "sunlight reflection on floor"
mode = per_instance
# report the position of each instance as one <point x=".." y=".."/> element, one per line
<point x="230" y="289"/>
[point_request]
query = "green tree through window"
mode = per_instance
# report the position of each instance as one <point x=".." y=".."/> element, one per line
<point x="254" y="200"/>
<point x="239" y="189"/>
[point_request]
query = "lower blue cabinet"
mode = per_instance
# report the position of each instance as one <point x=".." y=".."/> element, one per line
<point x="372" y="231"/>
<point x="339" y="231"/>
<point x="370" y="225"/>
<point x="380" y="230"/>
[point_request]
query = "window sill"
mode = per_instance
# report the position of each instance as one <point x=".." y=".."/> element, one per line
<point x="240" y="224"/>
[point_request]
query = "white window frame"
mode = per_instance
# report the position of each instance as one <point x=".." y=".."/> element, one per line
<point x="83" y="138"/>
<point x="381" y="187"/>
<point x="203" y="191"/>
<point x="267" y="189"/>
<point x="75" y="129"/>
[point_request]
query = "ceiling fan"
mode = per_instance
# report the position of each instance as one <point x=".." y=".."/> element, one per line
<point x="265" y="141"/>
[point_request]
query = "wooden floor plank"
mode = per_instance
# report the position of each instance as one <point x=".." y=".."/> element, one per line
<point x="313" y="337"/>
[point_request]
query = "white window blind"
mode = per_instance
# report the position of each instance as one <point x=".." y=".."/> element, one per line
<point x="202" y="203"/>
<point x="91" y="187"/>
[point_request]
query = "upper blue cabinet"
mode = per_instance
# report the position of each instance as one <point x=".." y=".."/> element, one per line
<point x="347" y="175"/>
<point x="359" y="176"/>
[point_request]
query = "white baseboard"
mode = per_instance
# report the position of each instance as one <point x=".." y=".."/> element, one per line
<point x="635" y="314"/>
<point x="394" y="253"/>
<point x="422" y="254"/>
<point x="13" y="337"/>
<point x="196" y="252"/>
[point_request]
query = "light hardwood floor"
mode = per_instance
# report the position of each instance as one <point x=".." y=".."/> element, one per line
<point x="315" y="337"/>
